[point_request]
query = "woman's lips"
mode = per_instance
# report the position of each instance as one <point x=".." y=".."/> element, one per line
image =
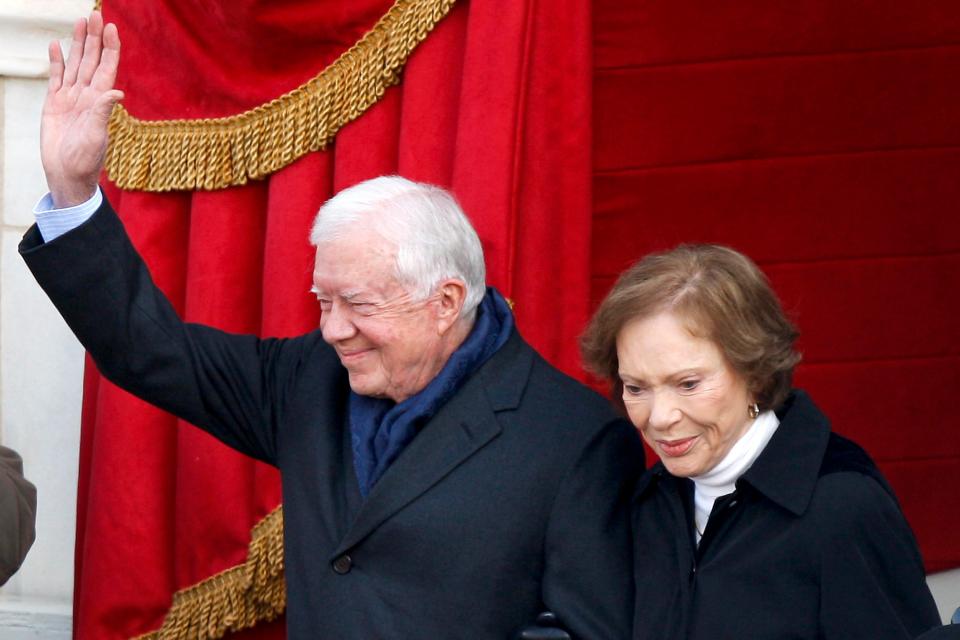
<point x="675" y="448"/>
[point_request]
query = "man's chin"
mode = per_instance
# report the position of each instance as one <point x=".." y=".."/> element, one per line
<point x="361" y="385"/>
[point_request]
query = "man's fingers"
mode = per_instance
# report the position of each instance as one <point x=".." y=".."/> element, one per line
<point x="91" y="49"/>
<point x="56" y="66"/>
<point x="76" y="52"/>
<point x="106" y="73"/>
<point x="111" y="37"/>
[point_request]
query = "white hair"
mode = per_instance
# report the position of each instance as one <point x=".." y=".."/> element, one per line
<point x="433" y="237"/>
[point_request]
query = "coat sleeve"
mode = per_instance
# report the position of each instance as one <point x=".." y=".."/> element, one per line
<point x="588" y="578"/>
<point x="872" y="578"/>
<point x="18" y="513"/>
<point x="229" y="385"/>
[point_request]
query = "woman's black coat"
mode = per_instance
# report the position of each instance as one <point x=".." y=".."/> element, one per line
<point x="812" y="544"/>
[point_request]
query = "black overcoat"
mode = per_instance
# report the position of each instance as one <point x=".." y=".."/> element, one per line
<point x="812" y="544"/>
<point x="513" y="498"/>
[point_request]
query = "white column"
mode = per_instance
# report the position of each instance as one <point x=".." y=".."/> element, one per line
<point x="40" y="361"/>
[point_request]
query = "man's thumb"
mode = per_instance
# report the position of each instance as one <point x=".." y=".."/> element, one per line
<point x="103" y="107"/>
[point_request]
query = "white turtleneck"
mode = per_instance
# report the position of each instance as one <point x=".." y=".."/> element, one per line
<point x="721" y="480"/>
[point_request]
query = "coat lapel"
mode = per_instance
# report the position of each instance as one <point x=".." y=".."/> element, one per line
<point x="461" y="428"/>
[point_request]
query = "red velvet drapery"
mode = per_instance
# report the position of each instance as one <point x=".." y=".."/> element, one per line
<point x="495" y="104"/>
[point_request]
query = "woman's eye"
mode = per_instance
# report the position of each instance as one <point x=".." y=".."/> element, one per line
<point x="689" y="385"/>
<point x="324" y="304"/>
<point x="632" y="389"/>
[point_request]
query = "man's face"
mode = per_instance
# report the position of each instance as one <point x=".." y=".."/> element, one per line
<point x="389" y="342"/>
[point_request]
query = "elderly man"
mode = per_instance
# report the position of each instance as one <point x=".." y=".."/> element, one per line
<point x="440" y="479"/>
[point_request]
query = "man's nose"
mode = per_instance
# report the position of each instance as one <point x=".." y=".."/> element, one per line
<point x="336" y="324"/>
<point x="664" y="410"/>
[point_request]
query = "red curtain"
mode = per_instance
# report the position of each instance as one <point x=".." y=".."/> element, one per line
<point x="822" y="139"/>
<point x="494" y="104"/>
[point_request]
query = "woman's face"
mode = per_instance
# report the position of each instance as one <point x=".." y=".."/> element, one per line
<point x="688" y="403"/>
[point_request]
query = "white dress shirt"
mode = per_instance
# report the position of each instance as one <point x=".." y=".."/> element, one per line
<point x="53" y="223"/>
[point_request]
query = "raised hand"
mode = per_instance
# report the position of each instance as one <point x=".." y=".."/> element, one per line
<point x="80" y="96"/>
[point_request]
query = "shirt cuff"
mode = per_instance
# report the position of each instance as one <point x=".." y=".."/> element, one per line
<point x="53" y="223"/>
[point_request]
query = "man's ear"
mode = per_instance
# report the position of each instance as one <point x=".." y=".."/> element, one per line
<point x="451" y="295"/>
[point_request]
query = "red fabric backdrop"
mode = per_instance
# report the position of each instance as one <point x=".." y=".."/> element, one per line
<point x="822" y="139"/>
<point x="494" y="104"/>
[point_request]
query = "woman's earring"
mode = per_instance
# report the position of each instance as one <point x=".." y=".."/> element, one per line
<point x="753" y="410"/>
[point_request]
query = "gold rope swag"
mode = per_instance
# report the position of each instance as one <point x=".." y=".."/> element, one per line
<point x="235" y="599"/>
<point x="213" y="153"/>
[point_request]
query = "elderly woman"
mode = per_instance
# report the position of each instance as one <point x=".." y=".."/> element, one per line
<point x="757" y="522"/>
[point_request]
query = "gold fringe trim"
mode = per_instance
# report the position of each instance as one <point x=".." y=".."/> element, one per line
<point x="235" y="599"/>
<point x="214" y="153"/>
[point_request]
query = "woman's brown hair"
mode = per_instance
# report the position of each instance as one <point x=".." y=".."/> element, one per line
<point x="723" y="296"/>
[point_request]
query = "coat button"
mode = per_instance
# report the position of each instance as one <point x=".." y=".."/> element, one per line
<point x="343" y="564"/>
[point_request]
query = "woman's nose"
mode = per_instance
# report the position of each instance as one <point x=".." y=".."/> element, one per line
<point x="664" y="411"/>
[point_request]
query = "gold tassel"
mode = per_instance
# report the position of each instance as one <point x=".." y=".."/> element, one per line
<point x="214" y="153"/>
<point x="235" y="599"/>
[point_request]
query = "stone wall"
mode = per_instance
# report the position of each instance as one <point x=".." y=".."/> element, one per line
<point x="41" y="363"/>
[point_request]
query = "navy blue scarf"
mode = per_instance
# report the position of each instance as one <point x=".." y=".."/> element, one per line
<point x="380" y="429"/>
